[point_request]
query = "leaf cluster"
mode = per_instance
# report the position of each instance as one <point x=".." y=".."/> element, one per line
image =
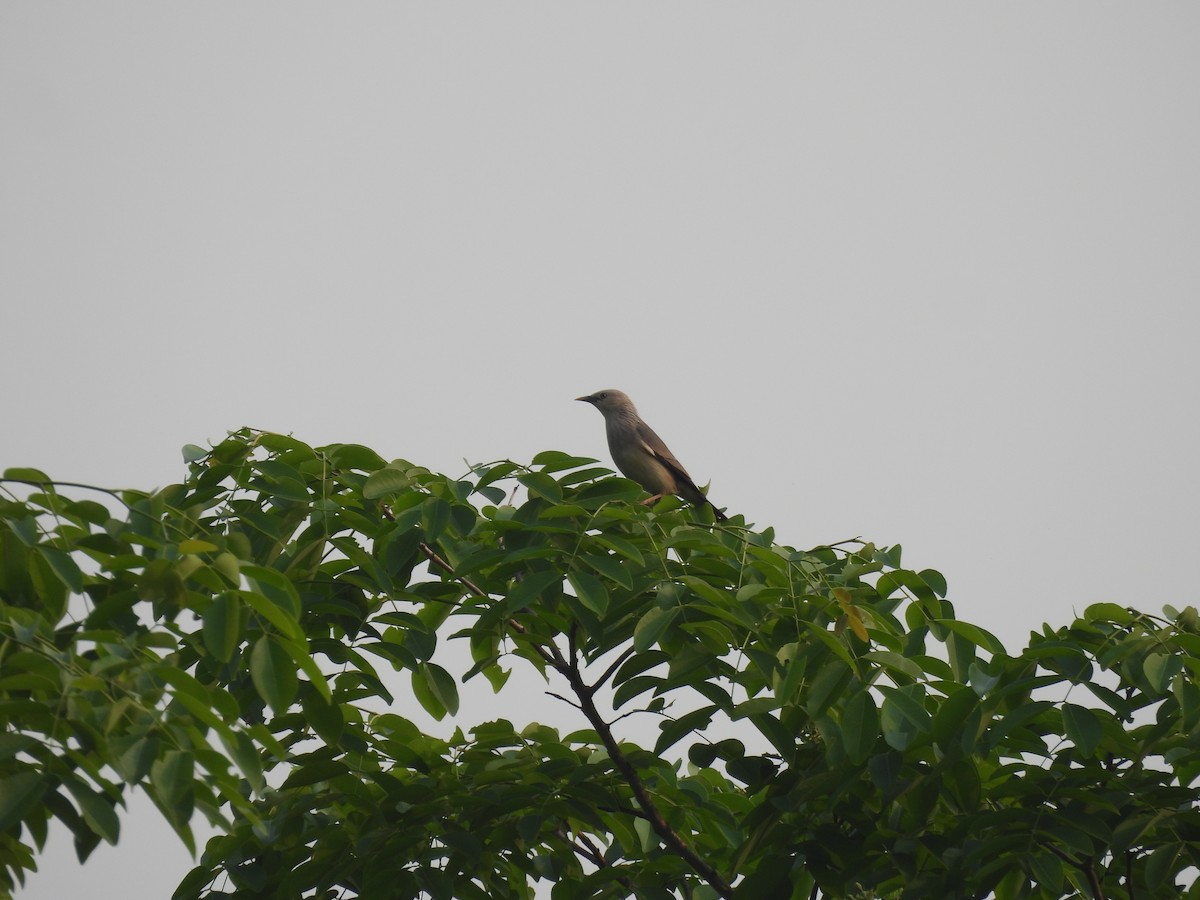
<point x="248" y="645"/>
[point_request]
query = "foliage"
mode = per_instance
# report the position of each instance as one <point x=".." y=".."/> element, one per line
<point x="246" y="645"/>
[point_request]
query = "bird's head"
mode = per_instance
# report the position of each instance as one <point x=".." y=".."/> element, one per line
<point x="610" y="402"/>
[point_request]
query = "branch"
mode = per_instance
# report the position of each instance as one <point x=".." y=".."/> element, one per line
<point x="449" y="569"/>
<point x="668" y="835"/>
<point x="570" y="671"/>
<point x="1089" y="869"/>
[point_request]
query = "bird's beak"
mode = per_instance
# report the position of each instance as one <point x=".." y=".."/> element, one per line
<point x="587" y="399"/>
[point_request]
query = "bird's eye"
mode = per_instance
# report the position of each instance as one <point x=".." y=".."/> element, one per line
<point x="603" y="395"/>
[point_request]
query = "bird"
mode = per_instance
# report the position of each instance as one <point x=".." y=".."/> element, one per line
<point x="641" y="455"/>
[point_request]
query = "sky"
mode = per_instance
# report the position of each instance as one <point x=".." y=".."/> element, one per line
<point x="928" y="273"/>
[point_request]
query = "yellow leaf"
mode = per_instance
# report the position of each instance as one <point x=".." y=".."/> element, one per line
<point x="195" y="545"/>
<point x="853" y="616"/>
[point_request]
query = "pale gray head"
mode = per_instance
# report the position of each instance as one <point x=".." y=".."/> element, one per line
<point x="611" y="402"/>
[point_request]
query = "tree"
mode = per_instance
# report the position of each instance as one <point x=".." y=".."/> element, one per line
<point x="826" y="726"/>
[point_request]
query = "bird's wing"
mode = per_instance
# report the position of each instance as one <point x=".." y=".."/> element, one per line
<point x="684" y="485"/>
<point x="659" y="450"/>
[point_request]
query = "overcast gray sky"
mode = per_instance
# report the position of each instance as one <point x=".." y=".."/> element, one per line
<point x="926" y="273"/>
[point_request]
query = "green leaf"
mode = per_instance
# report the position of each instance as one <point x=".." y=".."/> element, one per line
<point x="276" y="587"/>
<point x="897" y="663"/>
<point x="672" y="731"/>
<point x="303" y="660"/>
<point x="1082" y="727"/>
<point x="285" y="624"/>
<point x="1160" y="669"/>
<point x="12" y="744"/>
<point x="556" y="460"/>
<point x="229" y="567"/>
<point x="903" y="716"/>
<point x="590" y="590"/>
<point x="385" y="481"/>
<point x="64" y="567"/>
<point x="1108" y="612"/>
<point x="273" y="674"/>
<point x="134" y="756"/>
<point x="651" y="627"/>
<point x="771" y="878"/>
<point x="645" y="833"/>
<point x="193" y="453"/>
<point x="936" y="581"/>
<point x="621" y="547"/>
<point x="1163" y="863"/>
<point x="953" y="716"/>
<point x="714" y="595"/>
<point x="354" y="456"/>
<point x="982" y="679"/>
<point x="610" y="567"/>
<point x="97" y="809"/>
<point x="441" y="685"/>
<point x="972" y="633"/>
<point x="1048" y="870"/>
<point x="245" y="753"/>
<point x="24" y="473"/>
<point x="541" y="485"/>
<point x="530" y="589"/>
<point x="171" y="775"/>
<point x="52" y="593"/>
<point x="312" y="771"/>
<point x="860" y="726"/>
<point x="831" y="678"/>
<point x="19" y="792"/>
<point x="184" y="683"/>
<point x="222" y="629"/>
<point x="755" y="707"/>
<point x="324" y="717"/>
<point x="435" y="516"/>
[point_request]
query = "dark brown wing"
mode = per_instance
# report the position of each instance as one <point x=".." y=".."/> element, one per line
<point x="684" y="485"/>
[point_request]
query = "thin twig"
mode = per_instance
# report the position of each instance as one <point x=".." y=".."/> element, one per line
<point x="53" y="483"/>
<point x="1063" y="855"/>
<point x="566" y="700"/>
<point x="449" y="569"/>
<point x="854" y="540"/>
<point x="584" y="846"/>
<point x="611" y="670"/>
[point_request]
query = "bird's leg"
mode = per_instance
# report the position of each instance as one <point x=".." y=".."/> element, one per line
<point x="653" y="499"/>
